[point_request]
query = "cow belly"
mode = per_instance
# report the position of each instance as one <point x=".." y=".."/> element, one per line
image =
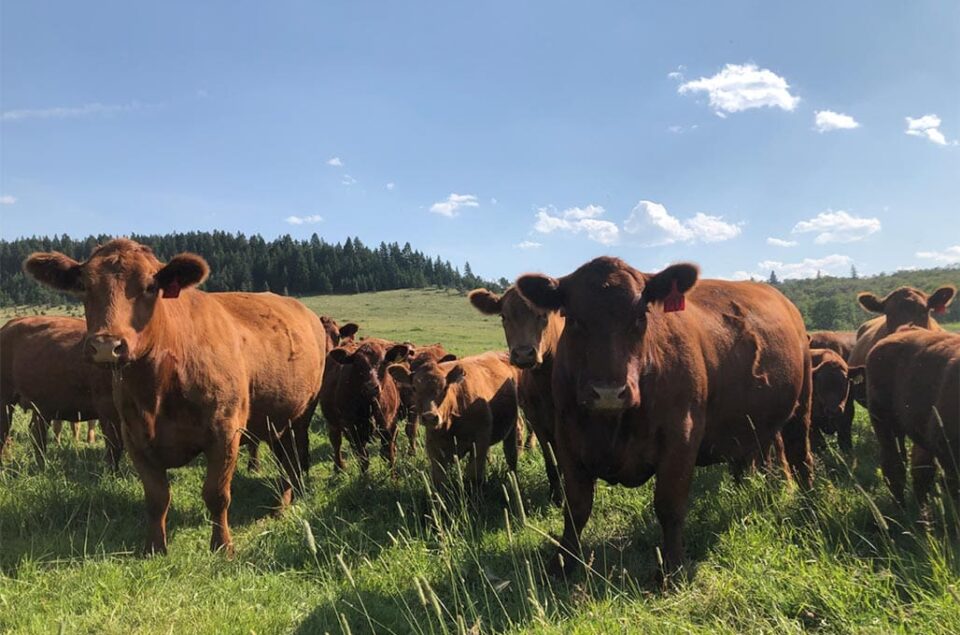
<point x="173" y="444"/>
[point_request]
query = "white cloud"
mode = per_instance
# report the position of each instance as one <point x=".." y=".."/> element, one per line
<point x="453" y="204"/>
<point x="779" y="242"/>
<point x="677" y="74"/>
<point x="838" y="227"/>
<point x="528" y="244"/>
<point x="7" y="199"/>
<point x="926" y="126"/>
<point x="948" y="255"/>
<point x="69" y="112"/>
<point x="347" y="180"/>
<point x="493" y="201"/>
<point x="835" y="265"/>
<point x="827" y="120"/>
<point x="652" y="221"/>
<point x="391" y="185"/>
<point x="741" y="87"/>
<point x="304" y="220"/>
<point x="578" y="220"/>
<point x="336" y="162"/>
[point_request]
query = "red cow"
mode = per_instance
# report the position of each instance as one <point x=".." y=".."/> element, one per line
<point x="832" y="410"/>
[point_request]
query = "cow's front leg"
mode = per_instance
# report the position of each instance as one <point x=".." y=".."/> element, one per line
<point x="156" y="494"/>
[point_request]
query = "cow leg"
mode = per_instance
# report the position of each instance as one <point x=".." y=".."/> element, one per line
<point x="578" y="505"/>
<point x="672" y="490"/>
<point x="291" y="476"/>
<point x="253" y="450"/>
<point x="796" y="445"/>
<point x="388" y="448"/>
<point x="302" y="440"/>
<point x="6" y="416"/>
<point x="817" y="441"/>
<point x="57" y="426"/>
<point x="512" y="443"/>
<point x="75" y="428"/>
<point x="221" y="464"/>
<point x="845" y="428"/>
<point x="92" y="431"/>
<point x="113" y="441"/>
<point x="477" y="465"/>
<point x="923" y="469"/>
<point x="336" y="442"/>
<point x="413" y="423"/>
<point x="156" y="494"/>
<point x="553" y="474"/>
<point x="38" y="433"/>
<point x="891" y="458"/>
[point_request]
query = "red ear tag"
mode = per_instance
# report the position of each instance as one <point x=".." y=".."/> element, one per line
<point x="674" y="300"/>
<point x="940" y="309"/>
<point x="172" y="290"/>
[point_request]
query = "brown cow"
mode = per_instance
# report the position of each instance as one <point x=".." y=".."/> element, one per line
<point x="43" y="370"/>
<point x="840" y="342"/>
<point x="532" y="335"/>
<point x="414" y="356"/>
<point x="649" y="382"/>
<point x="467" y="405"/>
<point x="193" y="370"/>
<point x="832" y="411"/>
<point x="335" y="335"/>
<point x="913" y="388"/>
<point x="361" y="400"/>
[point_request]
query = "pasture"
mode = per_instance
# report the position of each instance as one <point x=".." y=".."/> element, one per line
<point x="355" y="556"/>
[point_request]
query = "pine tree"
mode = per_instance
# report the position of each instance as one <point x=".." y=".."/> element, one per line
<point x="774" y="280"/>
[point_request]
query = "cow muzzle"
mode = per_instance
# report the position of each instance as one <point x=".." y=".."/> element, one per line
<point x="606" y="397"/>
<point x="105" y="349"/>
<point x="524" y="357"/>
<point x="430" y="419"/>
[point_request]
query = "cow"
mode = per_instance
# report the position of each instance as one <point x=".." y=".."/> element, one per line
<point x="360" y="400"/>
<point x="466" y="406"/>
<point x="656" y="373"/>
<point x="913" y="389"/>
<point x="413" y="356"/>
<point x="532" y="335"/>
<point x="840" y="342"/>
<point x="335" y="335"/>
<point x="192" y="371"/>
<point x="43" y="370"/>
<point x="832" y="410"/>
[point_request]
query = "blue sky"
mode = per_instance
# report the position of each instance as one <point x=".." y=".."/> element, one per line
<point x="745" y="136"/>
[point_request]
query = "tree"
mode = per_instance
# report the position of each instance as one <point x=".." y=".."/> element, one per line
<point x="824" y="313"/>
<point x="774" y="280"/>
<point x="853" y="272"/>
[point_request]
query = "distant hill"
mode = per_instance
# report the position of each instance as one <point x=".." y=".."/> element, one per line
<point x="241" y="263"/>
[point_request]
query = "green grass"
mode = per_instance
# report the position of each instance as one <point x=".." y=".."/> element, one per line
<point x="841" y="558"/>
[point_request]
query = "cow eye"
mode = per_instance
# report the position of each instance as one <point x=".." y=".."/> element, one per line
<point x="150" y="289"/>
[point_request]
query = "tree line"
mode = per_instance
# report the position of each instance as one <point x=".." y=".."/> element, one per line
<point x="241" y="263"/>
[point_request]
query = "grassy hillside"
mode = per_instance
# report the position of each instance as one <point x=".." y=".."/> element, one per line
<point x="353" y="556"/>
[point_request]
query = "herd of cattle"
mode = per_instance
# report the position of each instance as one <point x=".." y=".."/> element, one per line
<point x="621" y="375"/>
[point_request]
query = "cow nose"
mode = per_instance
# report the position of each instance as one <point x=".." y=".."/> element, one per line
<point x="104" y="349"/>
<point x="523" y="356"/>
<point x="430" y="419"/>
<point x="609" y="396"/>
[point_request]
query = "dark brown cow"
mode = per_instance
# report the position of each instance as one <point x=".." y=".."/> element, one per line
<point x="466" y="405"/>
<point x="532" y="335"/>
<point x="832" y="411"/>
<point x="913" y="388"/>
<point x="840" y="342"/>
<point x="360" y="400"/>
<point x="193" y="370"/>
<point x="414" y="356"/>
<point x="335" y="335"/>
<point x="44" y="371"/>
<point x="649" y="382"/>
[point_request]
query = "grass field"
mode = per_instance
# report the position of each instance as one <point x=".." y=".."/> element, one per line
<point x="354" y="556"/>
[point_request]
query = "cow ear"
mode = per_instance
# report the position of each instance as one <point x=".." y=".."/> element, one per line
<point x="456" y="375"/>
<point x="871" y="302"/>
<point x="678" y="278"/>
<point x="348" y="330"/>
<point x="399" y="373"/>
<point x="398" y="353"/>
<point x="183" y="271"/>
<point x="449" y="357"/>
<point x="341" y="356"/>
<point x="55" y="270"/>
<point x="857" y="374"/>
<point x="487" y="302"/>
<point x="541" y="291"/>
<point x="809" y="338"/>
<point x="941" y="299"/>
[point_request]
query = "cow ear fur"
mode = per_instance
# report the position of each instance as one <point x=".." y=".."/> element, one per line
<point x="348" y="330"/>
<point x="341" y="356"/>
<point x="940" y="299"/>
<point x="660" y="285"/>
<point x="399" y="373"/>
<point x="871" y="302"/>
<point x="487" y="302"/>
<point x="456" y="375"/>
<point x="541" y="291"/>
<point x="398" y="353"/>
<point x="449" y="357"/>
<point x="55" y="270"/>
<point x="182" y="272"/>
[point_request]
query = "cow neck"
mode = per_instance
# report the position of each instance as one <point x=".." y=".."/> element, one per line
<point x="450" y="407"/>
<point x="169" y="329"/>
<point x="551" y="339"/>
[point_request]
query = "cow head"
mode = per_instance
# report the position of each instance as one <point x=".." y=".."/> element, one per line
<point x="907" y="305"/>
<point x="607" y="305"/>
<point x="337" y="334"/>
<point x="831" y="384"/>
<point x="527" y="327"/>
<point x="121" y="284"/>
<point x="430" y="383"/>
<point x="368" y="366"/>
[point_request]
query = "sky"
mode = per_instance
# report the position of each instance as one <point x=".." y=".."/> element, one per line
<point x="516" y="136"/>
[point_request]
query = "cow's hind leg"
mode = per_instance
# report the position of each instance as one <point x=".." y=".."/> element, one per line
<point x="92" y="431"/>
<point x="796" y="431"/>
<point x="891" y="458"/>
<point x="284" y="448"/>
<point x="38" y="433"/>
<point x="221" y="464"/>
<point x="57" y="426"/>
<point x="923" y="469"/>
<point x="75" y="428"/>
<point x="6" y="417"/>
<point x="845" y="428"/>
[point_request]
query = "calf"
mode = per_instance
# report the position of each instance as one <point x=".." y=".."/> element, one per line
<point x="913" y="389"/>
<point x="654" y="375"/>
<point x="43" y="370"/>
<point x="832" y="410"/>
<point x="532" y="335"/>
<point x="466" y="406"/>
<point x="192" y="370"/>
<point x="414" y="356"/>
<point x="361" y="400"/>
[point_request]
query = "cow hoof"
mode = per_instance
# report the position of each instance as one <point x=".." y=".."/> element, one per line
<point x="556" y="497"/>
<point x="562" y="565"/>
